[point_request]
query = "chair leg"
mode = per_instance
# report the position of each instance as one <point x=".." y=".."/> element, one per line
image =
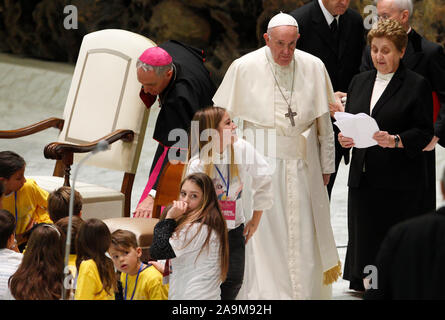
<point x="127" y="186"/>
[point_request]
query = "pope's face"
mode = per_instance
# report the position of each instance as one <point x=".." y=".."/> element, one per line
<point x="385" y="56"/>
<point x="336" y="7"/>
<point x="151" y="82"/>
<point x="282" y="41"/>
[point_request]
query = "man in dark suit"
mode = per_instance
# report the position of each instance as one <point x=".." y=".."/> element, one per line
<point x="411" y="260"/>
<point x="427" y="59"/>
<point x="335" y="34"/>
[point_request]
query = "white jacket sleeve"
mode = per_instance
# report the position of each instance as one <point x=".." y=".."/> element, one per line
<point x="327" y="145"/>
<point x="261" y="174"/>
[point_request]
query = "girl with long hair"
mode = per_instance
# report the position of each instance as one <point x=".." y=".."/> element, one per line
<point x="232" y="163"/>
<point x="40" y="275"/>
<point x="96" y="277"/>
<point x="193" y="234"/>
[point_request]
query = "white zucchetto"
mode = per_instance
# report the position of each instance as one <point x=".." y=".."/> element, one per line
<point x="282" y="19"/>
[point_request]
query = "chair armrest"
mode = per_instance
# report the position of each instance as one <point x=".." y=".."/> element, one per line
<point x="57" y="150"/>
<point x="34" y="128"/>
<point x="65" y="151"/>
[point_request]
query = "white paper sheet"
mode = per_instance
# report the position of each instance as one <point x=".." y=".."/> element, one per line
<point x="360" y="127"/>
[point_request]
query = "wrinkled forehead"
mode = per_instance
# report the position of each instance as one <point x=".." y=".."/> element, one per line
<point x="387" y="6"/>
<point x="284" y="33"/>
<point x="148" y="76"/>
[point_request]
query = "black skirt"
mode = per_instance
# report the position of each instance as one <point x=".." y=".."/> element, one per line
<point x="372" y="212"/>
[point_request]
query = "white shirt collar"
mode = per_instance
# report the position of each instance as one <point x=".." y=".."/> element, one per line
<point x="328" y="16"/>
<point x="385" y="77"/>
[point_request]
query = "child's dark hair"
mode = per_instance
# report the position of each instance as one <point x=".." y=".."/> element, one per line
<point x="75" y="227"/>
<point x="10" y="163"/>
<point x="124" y="239"/>
<point x="210" y="214"/>
<point x="40" y="275"/>
<point x="93" y="241"/>
<point x="59" y="203"/>
<point x="7" y="226"/>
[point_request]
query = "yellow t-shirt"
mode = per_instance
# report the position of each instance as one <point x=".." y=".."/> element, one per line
<point x="31" y="204"/>
<point x="89" y="283"/>
<point x="149" y="285"/>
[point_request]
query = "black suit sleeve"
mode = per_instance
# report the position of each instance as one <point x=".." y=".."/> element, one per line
<point x="416" y="138"/>
<point x="436" y="73"/>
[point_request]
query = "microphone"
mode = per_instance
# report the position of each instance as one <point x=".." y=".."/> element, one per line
<point x="101" y="146"/>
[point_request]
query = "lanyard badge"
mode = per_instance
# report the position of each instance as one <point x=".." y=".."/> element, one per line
<point x="228" y="207"/>
<point x="167" y="272"/>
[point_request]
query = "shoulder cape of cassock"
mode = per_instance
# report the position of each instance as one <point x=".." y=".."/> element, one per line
<point x="247" y="90"/>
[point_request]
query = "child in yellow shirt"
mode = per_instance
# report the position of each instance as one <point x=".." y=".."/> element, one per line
<point x="22" y="197"/>
<point x="96" y="279"/>
<point x="139" y="281"/>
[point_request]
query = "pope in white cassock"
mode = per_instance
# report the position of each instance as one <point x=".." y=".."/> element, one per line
<point x="293" y="253"/>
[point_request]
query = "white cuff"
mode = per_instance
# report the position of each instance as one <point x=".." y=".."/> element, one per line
<point x="152" y="193"/>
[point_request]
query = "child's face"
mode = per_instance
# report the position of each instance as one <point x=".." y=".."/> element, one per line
<point x="191" y="194"/>
<point x="126" y="260"/>
<point x="15" y="182"/>
<point x="226" y="130"/>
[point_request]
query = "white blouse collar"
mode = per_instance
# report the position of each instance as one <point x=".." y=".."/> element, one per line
<point x="385" y="77"/>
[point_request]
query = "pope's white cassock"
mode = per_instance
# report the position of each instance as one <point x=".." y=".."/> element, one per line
<point x="293" y="254"/>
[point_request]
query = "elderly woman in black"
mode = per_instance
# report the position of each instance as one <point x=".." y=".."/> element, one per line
<point x="387" y="181"/>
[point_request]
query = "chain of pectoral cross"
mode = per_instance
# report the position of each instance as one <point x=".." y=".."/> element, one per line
<point x="290" y="113"/>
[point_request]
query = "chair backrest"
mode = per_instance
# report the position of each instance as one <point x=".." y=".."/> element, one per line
<point x="104" y="97"/>
<point x="168" y="186"/>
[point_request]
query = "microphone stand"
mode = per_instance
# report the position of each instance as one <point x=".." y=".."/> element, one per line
<point x="101" y="146"/>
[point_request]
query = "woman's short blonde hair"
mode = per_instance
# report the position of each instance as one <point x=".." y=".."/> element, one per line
<point x="390" y="29"/>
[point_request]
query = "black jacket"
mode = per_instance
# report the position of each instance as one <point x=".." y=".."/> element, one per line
<point x="411" y="260"/>
<point x="404" y="108"/>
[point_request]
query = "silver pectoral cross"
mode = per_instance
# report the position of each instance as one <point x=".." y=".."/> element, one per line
<point x="291" y="114"/>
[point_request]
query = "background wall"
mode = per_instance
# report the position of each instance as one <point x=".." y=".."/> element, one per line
<point x="225" y="29"/>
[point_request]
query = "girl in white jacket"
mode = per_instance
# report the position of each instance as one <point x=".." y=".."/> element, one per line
<point x="228" y="160"/>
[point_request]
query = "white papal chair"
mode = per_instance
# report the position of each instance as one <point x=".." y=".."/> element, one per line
<point x="103" y="103"/>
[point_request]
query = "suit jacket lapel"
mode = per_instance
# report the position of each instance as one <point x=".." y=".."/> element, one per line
<point x="345" y="30"/>
<point x="321" y="26"/>
<point x="413" y="54"/>
<point x="365" y="101"/>
<point x="391" y="89"/>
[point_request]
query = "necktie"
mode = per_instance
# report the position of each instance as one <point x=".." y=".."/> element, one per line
<point x="334" y="30"/>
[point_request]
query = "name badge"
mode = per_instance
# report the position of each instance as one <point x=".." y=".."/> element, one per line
<point x="228" y="209"/>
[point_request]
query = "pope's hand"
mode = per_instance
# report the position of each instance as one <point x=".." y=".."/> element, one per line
<point x="337" y="106"/>
<point x="326" y="178"/>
